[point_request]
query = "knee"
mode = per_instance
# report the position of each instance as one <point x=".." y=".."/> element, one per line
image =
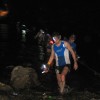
<point x="63" y="78"/>
<point x="59" y="79"/>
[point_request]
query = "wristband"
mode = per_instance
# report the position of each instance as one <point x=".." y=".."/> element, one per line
<point x="48" y="63"/>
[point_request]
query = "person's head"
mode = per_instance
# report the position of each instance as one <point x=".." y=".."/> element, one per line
<point x="72" y="38"/>
<point x="41" y="30"/>
<point x="56" y="37"/>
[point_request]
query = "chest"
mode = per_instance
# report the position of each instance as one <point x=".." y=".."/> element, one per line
<point x="59" y="50"/>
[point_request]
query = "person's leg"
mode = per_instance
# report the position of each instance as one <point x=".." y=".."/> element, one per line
<point x="63" y="75"/>
<point x="59" y="81"/>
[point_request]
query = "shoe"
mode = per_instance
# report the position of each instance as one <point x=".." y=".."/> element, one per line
<point x="62" y="92"/>
<point x="68" y="89"/>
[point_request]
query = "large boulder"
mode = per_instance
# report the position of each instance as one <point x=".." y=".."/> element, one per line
<point x="4" y="97"/>
<point x="4" y="88"/>
<point x="24" y="77"/>
<point x="5" y="91"/>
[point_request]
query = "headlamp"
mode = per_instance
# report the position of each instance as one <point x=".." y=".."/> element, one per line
<point x="51" y="42"/>
<point x="54" y="39"/>
<point x="43" y="68"/>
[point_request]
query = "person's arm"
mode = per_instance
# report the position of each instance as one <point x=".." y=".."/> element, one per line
<point x="74" y="49"/>
<point x="51" y="56"/>
<point x="73" y="54"/>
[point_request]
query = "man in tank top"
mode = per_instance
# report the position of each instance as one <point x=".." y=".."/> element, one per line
<point x="60" y="52"/>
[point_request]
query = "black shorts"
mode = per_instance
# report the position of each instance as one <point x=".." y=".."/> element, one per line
<point x="59" y="69"/>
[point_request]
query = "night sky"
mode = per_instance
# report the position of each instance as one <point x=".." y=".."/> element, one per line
<point x="81" y="18"/>
<point x="67" y="16"/>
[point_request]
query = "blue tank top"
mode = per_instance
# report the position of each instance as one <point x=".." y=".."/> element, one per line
<point x="61" y="54"/>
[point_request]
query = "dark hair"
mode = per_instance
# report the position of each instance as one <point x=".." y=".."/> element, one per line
<point x="73" y="35"/>
<point x="56" y="34"/>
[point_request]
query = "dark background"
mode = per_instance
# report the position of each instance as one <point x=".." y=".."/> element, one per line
<point x="80" y="18"/>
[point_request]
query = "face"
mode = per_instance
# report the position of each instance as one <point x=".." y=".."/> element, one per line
<point x="41" y="31"/>
<point x="56" y="39"/>
<point x="72" y="38"/>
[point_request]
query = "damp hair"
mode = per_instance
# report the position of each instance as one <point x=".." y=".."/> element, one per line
<point x="56" y="34"/>
<point x="72" y="35"/>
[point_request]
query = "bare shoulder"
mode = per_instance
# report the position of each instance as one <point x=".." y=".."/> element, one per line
<point x="66" y="43"/>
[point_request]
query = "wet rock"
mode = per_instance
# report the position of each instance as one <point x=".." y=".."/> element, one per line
<point x="94" y="99"/>
<point x="4" y="88"/>
<point x="5" y="91"/>
<point x="4" y="97"/>
<point x="22" y="77"/>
